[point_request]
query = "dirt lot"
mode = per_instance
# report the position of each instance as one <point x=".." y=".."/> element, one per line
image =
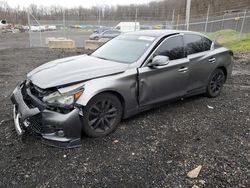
<point x="154" y="149"/>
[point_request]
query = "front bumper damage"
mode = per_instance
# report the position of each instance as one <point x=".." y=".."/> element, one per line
<point x="55" y="129"/>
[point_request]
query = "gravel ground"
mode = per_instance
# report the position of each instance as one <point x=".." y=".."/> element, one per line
<point x="14" y="40"/>
<point x="156" y="148"/>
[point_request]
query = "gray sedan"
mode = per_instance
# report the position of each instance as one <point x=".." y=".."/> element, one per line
<point x="129" y="74"/>
<point x="111" y="33"/>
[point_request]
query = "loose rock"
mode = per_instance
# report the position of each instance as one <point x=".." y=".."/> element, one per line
<point x="195" y="172"/>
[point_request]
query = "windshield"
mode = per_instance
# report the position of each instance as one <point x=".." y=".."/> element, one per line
<point x="124" y="48"/>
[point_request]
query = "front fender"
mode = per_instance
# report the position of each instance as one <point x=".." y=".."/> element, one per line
<point x="91" y="90"/>
<point x="125" y="84"/>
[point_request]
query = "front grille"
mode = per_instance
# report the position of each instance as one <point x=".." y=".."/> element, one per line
<point x="40" y="93"/>
<point x="33" y="95"/>
<point x="26" y="98"/>
<point x="35" y="123"/>
<point x="28" y="102"/>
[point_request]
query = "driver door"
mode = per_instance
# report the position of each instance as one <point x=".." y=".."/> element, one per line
<point x="160" y="83"/>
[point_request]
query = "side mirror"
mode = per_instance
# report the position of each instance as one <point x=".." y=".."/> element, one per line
<point x="159" y="60"/>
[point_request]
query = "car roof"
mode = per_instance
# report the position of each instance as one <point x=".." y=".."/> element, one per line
<point x="159" y="33"/>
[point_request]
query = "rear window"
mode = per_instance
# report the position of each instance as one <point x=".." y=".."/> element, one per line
<point x="193" y="44"/>
<point x="206" y="43"/>
<point x="196" y="43"/>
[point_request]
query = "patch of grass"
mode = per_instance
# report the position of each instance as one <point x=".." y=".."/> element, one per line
<point x="232" y="39"/>
<point x="241" y="45"/>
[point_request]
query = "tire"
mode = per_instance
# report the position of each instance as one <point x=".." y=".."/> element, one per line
<point x="215" y="84"/>
<point x="101" y="115"/>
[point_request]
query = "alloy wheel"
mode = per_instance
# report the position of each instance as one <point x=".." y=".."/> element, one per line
<point x="217" y="82"/>
<point x="102" y="115"/>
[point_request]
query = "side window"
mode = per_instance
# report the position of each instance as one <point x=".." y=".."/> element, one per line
<point x="118" y="27"/>
<point x="107" y="32"/>
<point x="193" y="44"/>
<point x="172" y="47"/>
<point x="206" y="43"/>
<point x="115" y="32"/>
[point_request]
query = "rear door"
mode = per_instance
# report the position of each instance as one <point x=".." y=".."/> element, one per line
<point x="164" y="82"/>
<point x="202" y="61"/>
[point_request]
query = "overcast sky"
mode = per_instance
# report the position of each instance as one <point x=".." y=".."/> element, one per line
<point x="73" y="3"/>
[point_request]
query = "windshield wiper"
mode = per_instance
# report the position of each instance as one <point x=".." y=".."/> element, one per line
<point x="102" y="58"/>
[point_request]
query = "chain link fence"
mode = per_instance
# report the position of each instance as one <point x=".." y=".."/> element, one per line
<point x="79" y="30"/>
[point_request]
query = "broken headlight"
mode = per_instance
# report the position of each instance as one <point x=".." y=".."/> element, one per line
<point x="62" y="99"/>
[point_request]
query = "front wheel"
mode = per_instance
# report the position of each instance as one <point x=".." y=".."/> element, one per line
<point x="101" y="115"/>
<point x="215" y="83"/>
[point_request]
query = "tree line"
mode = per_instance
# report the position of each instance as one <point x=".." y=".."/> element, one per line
<point x="154" y="10"/>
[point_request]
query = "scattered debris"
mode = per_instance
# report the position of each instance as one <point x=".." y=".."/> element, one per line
<point x="210" y="107"/>
<point x="152" y="149"/>
<point x="5" y="120"/>
<point x="195" y="186"/>
<point x="195" y="172"/>
<point x="1" y="122"/>
<point x="202" y="182"/>
<point x="242" y="186"/>
<point x="177" y="140"/>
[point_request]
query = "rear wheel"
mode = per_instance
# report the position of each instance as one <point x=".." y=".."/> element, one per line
<point x="216" y="82"/>
<point x="101" y="115"/>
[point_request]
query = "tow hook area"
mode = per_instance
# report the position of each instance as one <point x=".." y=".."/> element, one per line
<point x="17" y="117"/>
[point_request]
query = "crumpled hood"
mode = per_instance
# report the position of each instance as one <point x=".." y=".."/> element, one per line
<point x="73" y="69"/>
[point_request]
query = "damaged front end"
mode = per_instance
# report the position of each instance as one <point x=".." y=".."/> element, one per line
<point x="57" y="124"/>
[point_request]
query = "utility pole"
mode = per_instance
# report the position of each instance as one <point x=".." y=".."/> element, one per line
<point x="243" y="23"/>
<point x="222" y="24"/>
<point x="172" y="23"/>
<point x="28" y="16"/>
<point x="99" y="17"/>
<point x="237" y="19"/>
<point x="208" y="9"/>
<point x="188" y="7"/>
<point x="177" y="21"/>
<point x="103" y="12"/>
<point x="64" y="23"/>
<point x="136" y="18"/>
<point x="40" y="30"/>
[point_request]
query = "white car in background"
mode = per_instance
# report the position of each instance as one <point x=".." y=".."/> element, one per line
<point x="37" y="28"/>
<point x="128" y="26"/>
<point x="51" y="27"/>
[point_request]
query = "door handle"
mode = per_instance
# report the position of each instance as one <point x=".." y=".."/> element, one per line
<point x="183" y="69"/>
<point x="212" y="60"/>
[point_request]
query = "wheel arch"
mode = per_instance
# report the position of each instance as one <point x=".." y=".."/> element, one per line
<point x="224" y="69"/>
<point x="110" y="91"/>
<point x="118" y="95"/>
